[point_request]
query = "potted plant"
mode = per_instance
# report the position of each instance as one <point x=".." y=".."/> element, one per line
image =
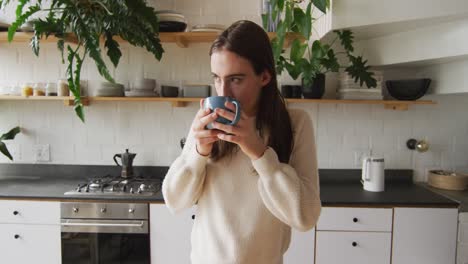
<point x="8" y="136"/>
<point x="79" y="27"/>
<point x="311" y="59"/>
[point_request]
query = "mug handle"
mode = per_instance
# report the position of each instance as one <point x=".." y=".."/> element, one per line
<point x="238" y="113"/>
<point x="117" y="155"/>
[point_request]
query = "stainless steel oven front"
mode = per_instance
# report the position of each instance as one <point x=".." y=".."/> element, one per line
<point x="105" y="233"/>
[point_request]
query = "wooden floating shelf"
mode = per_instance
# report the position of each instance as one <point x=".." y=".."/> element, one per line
<point x="181" y="39"/>
<point x="181" y="102"/>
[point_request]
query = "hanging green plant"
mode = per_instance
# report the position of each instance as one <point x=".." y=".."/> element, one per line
<point x="87" y="22"/>
<point x="309" y="58"/>
<point x="8" y="136"/>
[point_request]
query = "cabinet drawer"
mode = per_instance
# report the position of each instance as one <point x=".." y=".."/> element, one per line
<point x="355" y="219"/>
<point x="24" y="244"/>
<point x="353" y="247"/>
<point x="29" y="212"/>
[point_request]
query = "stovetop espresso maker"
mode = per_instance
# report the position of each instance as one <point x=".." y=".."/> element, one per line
<point x="127" y="163"/>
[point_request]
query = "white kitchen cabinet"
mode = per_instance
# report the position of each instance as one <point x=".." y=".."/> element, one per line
<point x="25" y="244"/>
<point x="354" y="235"/>
<point x="30" y="232"/>
<point x="301" y="248"/>
<point x="170" y="235"/>
<point x="424" y="235"/>
<point x="462" y="241"/>
<point x="353" y="247"/>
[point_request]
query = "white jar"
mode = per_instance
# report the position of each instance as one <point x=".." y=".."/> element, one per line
<point x="62" y="88"/>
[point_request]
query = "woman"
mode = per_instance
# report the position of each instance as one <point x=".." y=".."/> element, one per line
<point x="253" y="181"/>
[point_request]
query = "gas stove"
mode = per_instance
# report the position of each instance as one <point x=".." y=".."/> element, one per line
<point x="118" y="186"/>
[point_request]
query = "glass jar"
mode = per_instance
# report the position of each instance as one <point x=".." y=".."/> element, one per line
<point x="26" y="89"/>
<point x="39" y="89"/>
<point x="51" y="89"/>
<point x="62" y="88"/>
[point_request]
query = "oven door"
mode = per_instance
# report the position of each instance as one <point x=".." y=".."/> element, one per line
<point x="99" y="241"/>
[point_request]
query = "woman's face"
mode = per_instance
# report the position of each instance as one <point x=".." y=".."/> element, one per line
<point x="235" y="77"/>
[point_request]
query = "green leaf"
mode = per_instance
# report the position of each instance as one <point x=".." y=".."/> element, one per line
<point x="60" y="46"/>
<point x="297" y="50"/>
<point x="346" y="38"/>
<point x="35" y="44"/>
<point x="10" y="134"/>
<point x="322" y="5"/>
<point x="317" y="50"/>
<point x="360" y="72"/>
<point x="293" y="70"/>
<point x="4" y="150"/>
<point x="265" y="21"/>
<point x="20" y="21"/>
<point x="307" y="22"/>
<point x="330" y="62"/>
<point x="19" y="8"/>
<point x="280" y="4"/>
<point x="113" y="51"/>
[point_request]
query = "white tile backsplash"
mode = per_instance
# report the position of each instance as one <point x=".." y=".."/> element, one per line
<point x="153" y="129"/>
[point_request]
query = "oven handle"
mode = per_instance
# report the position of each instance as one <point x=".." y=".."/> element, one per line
<point x="86" y="223"/>
<point x="104" y="226"/>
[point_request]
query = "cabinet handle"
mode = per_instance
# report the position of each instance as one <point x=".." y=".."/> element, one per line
<point x="354" y="244"/>
<point x="193" y="217"/>
<point x="355" y="220"/>
<point x="17" y="236"/>
<point x="15" y="212"/>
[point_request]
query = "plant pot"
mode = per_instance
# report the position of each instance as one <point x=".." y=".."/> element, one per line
<point x="316" y="89"/>
<point x="291" y="91"/>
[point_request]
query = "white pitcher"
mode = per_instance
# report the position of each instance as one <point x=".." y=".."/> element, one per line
<point x="373" y="174"/>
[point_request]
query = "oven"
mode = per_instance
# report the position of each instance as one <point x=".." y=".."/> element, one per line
<point x="105" y="233"/>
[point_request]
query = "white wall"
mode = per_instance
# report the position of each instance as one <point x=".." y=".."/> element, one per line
<point x="153" y="130"/>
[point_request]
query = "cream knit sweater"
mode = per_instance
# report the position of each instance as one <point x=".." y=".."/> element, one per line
<point x="246" y="208"/>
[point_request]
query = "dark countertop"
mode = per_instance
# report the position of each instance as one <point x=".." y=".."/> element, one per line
<point x="459" y="196"/>
<point x="337" y="187"/>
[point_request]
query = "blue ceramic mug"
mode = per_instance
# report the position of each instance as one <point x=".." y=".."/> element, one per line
<point x="214" y="102"/>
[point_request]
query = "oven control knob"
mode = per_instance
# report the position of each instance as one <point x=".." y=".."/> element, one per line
<point x="131" y="210"/>
<point x="75" y="209"/>
<point x="103" y="210"/>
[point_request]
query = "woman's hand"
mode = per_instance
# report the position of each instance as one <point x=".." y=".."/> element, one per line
<point x="244" y="133"/>
<point x="204" y="138"/>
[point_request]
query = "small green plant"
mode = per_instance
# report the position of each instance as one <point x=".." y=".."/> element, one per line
<point x="8" y="136"/>
<point x="86" y="22"/>
<point x="307" y="57"/>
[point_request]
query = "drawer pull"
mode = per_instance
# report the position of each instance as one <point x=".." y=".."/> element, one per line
<point x="15" y="212"/>
<point x="193" y="217"/>
<point x="355" y="220"/>
<point x="354" y="244"/>
<point x="17" y="236"/>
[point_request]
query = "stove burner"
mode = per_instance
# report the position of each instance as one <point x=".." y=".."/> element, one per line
<point x="109" y="185"/>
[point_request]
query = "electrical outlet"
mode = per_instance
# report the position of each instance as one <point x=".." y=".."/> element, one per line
<point x="42" y="152"/>
<point x="359" y="154"/>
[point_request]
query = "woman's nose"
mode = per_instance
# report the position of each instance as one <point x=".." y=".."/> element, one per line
<point x="224" y="89"/>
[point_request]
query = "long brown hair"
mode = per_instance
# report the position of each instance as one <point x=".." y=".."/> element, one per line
<point x="250" y="41"/>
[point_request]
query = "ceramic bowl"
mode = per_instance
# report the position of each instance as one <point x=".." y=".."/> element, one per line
<point x="409" y="90"/>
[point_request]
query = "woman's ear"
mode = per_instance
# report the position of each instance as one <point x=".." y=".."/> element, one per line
<point x="265" y="78"/>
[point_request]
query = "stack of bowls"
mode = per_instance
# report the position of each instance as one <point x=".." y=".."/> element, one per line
<point x="143" y="88"/>
<point x="171" y="21"/>
<point x="108" y="89"/>
<point x="208" y="28"/>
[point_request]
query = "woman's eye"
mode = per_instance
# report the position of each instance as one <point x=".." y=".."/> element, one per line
<point x="236" y="80"/>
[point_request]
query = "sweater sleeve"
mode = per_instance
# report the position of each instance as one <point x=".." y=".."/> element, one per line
<point x="291" y="191"/>
<point x="183" y="183"/>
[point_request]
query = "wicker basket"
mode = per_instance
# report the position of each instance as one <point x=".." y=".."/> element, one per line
<point x="447" y="180"/>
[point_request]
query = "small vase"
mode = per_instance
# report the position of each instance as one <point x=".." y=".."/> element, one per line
<point x="316" y="89"/>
